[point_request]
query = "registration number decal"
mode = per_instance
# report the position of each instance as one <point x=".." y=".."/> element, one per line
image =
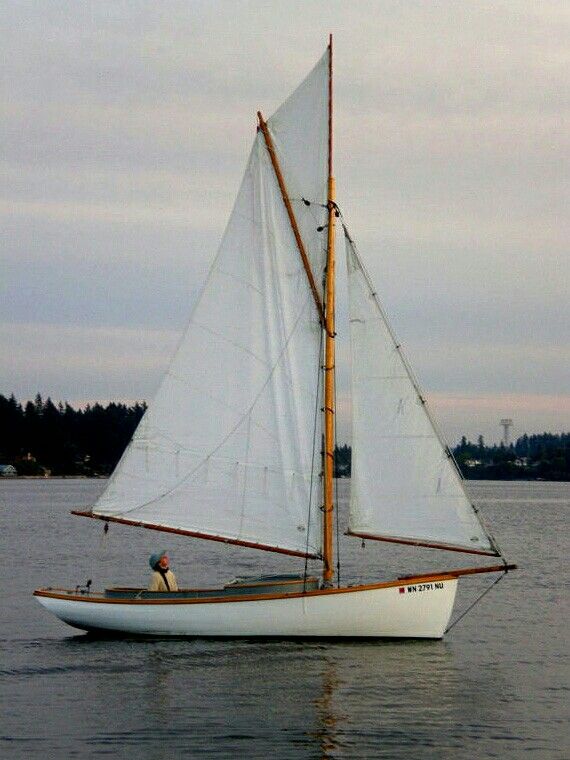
<point x="418" y="587"/>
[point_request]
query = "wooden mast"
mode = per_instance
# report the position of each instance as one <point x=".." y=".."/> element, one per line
<point x="329" y="365"/>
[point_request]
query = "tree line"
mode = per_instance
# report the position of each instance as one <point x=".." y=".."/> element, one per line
<point x="40" y="437"/>
<point x="544" y="456"/>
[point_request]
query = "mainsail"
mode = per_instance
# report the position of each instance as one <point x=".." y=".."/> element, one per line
<point x="405" y="486"/>
<point x="229" y="448"/>
<point x="299" y="129"/>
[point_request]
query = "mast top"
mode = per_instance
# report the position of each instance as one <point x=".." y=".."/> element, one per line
<point x="330" y="107"/>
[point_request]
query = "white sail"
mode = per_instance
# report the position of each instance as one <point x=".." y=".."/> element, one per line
<point x="299" y="129"/>
<point x="230" y="448"/>
<point x="405" y="485"/>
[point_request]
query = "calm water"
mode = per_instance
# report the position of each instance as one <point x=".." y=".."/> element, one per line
<point x="496" y="687"/>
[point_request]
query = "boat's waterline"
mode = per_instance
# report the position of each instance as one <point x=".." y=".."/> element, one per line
<point x="400" y="609"/>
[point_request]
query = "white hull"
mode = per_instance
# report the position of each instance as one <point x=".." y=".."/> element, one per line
<point x="408" y="610"/>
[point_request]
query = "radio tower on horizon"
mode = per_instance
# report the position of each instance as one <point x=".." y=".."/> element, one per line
<point x="507" y="425"/>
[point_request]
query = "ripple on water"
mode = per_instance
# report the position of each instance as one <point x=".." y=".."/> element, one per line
<point x="494" y="688"/>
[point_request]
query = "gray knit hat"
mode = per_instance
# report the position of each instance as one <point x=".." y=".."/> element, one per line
<point x="155" y="558"/>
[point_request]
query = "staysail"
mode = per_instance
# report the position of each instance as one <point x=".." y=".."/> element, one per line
<point x="405" y="486"/>
<point x="229" y="448"/>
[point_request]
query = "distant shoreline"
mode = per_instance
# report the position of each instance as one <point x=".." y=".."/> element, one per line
<point x="54" y="477"/>
<point x="106" y="477"/>
<point x="39" y="438"/>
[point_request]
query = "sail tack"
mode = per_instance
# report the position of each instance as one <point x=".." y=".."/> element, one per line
<point x="229" y="448"/>
<point x="405" y="487"/>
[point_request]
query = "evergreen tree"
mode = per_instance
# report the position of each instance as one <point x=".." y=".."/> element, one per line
<point x="42" y="436"/>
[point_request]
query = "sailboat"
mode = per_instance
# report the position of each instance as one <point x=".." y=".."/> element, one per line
<point x="238" y="444"/>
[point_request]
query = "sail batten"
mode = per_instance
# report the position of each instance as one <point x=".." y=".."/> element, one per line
<point x="405" y="485"/>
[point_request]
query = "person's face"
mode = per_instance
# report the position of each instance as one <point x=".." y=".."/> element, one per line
<point x="163" y="562"/>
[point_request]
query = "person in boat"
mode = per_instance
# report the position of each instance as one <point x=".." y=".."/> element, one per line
<point x="162" y="579"/>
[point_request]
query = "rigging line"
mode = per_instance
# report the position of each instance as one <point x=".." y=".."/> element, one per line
<point x="500" y="578"/>
<point x="415" y="384"/>
<point x="245" y="474"/>
<point x="315" y="423"/>
<point x="218" y="400"/>
<point x="310" y="205"/>
<point x="226" y="339"/>
<point x="251" y="465"/>
<point x="236" y="426"/>
<point x="211" y="272"/>
<point x="337" y="519"/>
<point x="241" y="280"/>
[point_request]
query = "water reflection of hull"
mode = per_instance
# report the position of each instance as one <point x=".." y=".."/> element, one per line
<point x="411" y="608"/>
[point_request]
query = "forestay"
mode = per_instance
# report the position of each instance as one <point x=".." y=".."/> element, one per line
<point x="227" y="447"/>
<point x="404" y="485"/>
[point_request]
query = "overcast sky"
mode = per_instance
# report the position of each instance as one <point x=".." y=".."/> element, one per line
<point x="125" y="131"/>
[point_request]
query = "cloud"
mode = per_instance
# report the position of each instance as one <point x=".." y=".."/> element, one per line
<point x="475" y="415"/>
<point x="79" y="364"/>
<point x="125" y="129"/>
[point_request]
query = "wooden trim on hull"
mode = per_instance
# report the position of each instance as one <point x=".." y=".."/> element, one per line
<point x="427" y="544"/>
<point x="464" y="571"/>
<point x="193" y="534"/>
<point x="449" y="575"/>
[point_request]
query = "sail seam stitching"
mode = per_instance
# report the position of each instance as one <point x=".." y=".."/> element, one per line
<point x="192" y="472"/>
<point x="415" y="385"/>
<point x="296" y="233"/>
